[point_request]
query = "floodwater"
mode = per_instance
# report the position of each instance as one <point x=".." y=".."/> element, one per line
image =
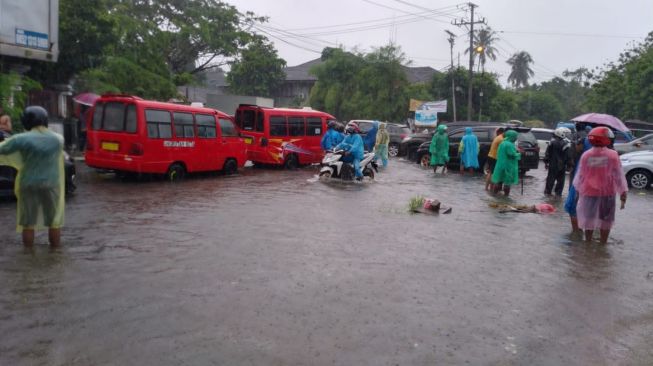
<point x="274" y="267"/>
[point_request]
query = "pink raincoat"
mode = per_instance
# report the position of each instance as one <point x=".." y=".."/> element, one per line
<point x="598" y="180"/>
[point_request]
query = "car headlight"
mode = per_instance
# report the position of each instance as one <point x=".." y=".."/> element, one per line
<point x="625" y="160"/>
<point x="406" y="139"/>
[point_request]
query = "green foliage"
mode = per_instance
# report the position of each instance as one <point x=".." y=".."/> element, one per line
<point x="415" y="203"/>
<point x="122" y="75"/>
<point x="521" y="69"/>
<point x="538" y="105"/>
<point x="571" y="94"/>
<point x="258" y="72"/>
<point x="14" y="90"/>
<point x="625" y="88"/>
<point x="370" y="86"/>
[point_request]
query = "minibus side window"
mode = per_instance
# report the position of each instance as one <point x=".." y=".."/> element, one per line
<point x="205" y="126"/>
<point x="114" y="117"/>
<point x="296" y="126"/>
<point x="159" y="124"/>
<point x="131" y="122"/>
<point x="97" y="116"/>
<point x="259" y="122"/>
<point x="227" y="127"/>
<point x="278" y="126"/>
<point x="183" y="125"/>
<point x="314" y="126"/>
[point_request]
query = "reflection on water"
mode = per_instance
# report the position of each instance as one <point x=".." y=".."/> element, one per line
<point x="278" y="267"/>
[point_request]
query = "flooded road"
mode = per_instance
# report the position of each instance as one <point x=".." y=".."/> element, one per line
<point x="273" y="267"/>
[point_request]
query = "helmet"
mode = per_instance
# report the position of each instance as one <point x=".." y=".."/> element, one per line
<point x="332" y="124"/>
<point x="34" y="116"/>
<point x="562" y="132"/>
<point x="600" y="136"/>
<point x="352" y="127"/>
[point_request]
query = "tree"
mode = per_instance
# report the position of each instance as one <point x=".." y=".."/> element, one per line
<point x="14" y="90"/>
<point x="484" y="41"/>
<point x="259" y="70"/>
<point x="521" y="70"/>
<point x="625" y="88"/>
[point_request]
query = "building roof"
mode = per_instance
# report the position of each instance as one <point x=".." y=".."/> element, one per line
<point x="300" y="72"/>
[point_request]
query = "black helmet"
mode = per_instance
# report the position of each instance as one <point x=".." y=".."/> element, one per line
<point x="332" y="124"/>
<point x="33" y="116"/>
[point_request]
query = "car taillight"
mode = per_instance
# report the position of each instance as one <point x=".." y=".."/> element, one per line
<point x="136" y="149"/>
<point x="403" y="135"/>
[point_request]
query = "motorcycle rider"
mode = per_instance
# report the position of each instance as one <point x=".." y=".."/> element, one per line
<point x="353" y="147"/>
<point x="556" y="160"/>
<point x="332" y="137"/>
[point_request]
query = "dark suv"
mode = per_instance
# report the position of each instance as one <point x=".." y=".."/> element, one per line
<point x="526" y="144"/>
<point x="411" y="143"/>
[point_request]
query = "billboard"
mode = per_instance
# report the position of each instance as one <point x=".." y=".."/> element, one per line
<point x="426" y="114"/>
<point x="30" y="29"/>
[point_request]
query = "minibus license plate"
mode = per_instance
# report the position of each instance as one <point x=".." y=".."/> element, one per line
<point x="248" y="140"/>
<point x="110" y="146"/>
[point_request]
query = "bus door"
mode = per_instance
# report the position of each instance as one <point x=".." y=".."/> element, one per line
<point x="183" y="145"/>
<point x="250" y="120"/>
<point x="207" y="141"/>
<point x="314" y="131"/>
<point x="230" y="141"/>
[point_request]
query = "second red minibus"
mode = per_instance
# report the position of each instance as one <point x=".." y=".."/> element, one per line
<point x="129" y="134"/>
<point x="282" y="136"/>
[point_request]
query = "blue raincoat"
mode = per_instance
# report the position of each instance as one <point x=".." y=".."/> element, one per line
<point x="353" y="143"/>
<point x="370" y="138"/>
<point x="469" y="149"/>
<point x="330" y="139"/>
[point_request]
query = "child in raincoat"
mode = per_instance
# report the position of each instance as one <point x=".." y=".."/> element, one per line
<point x="468" y="150"/>
<point x="38" y="156"/>
<point x="506" y="171"/>
<point x="381" y="147"/>
<point x="439" y="149"/>
<point x="599" y="178"/>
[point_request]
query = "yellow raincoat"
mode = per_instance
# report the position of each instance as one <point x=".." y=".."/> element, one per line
<point x="40" y="183"/>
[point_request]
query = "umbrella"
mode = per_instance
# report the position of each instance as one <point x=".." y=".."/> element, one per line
<point x="86" y="98"/>
<point x="602" y="119"/>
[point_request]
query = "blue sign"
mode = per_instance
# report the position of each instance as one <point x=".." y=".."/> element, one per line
<point x="32" y="39"/>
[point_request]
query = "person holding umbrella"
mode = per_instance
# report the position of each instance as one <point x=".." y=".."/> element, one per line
<point x="506" y="170"/>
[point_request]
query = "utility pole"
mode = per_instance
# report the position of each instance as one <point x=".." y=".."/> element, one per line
<point x="453" y="74"/>
<point x="471" y="23"/>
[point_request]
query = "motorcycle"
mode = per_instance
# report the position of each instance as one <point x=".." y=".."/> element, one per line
<point x="334" y="167"/>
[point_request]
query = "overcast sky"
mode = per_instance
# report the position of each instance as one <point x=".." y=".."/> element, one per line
<point x="559" y="34"/>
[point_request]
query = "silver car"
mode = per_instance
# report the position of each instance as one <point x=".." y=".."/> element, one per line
<point x="640" y="144"/>
<point x="638" y="167"/>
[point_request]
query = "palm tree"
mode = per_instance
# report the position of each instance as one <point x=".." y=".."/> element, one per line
<point x="521" y="70"/>
<point x="484" y="40"/>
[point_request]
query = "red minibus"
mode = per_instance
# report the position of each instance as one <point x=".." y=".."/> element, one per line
<point x="282" y="136"/>
<point x="129" y="134"/>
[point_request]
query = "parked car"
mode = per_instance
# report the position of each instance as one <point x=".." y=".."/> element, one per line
<point x="526" y="144"/>
<point x="641" y="144"/>
<point x="638" y="167"/>
<point x="8" y="177"/>
<point x="397" y="134"/>
<point x="543" y="136"/>
<point x="411" y="143"/>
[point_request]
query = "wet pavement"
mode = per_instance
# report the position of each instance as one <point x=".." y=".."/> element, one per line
<point x="273" y="267"/>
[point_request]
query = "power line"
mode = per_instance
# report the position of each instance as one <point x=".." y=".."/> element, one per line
<point x="403" y="11"/>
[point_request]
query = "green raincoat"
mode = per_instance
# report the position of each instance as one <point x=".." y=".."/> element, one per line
<point x="439" y="147"/>
<point x="506" y="170"/>
<point x="40" y="183"/>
